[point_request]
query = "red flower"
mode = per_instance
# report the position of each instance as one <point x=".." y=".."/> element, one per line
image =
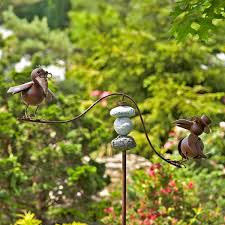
<point x="190" y="185"/>
<point x="155" y="166"/>
<point x="147" y="222"/>
<point x="151" y="173"/>
<point x="172" y="183"/>
<point x="166" y="190"/>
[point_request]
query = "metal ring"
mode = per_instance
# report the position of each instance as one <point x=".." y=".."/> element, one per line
<point x="49" y="75"/>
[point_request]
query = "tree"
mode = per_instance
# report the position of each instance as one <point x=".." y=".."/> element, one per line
<point x="107" y="46"/>
<point x="42" y="166"/>
<point x="197" y="18"/>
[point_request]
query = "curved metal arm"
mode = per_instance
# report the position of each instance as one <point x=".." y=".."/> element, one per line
<point x="173" y="162"/>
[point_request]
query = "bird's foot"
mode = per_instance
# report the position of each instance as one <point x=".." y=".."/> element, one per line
<point x="178" y="163"/>
<point x="26" y="117"/>
<point x="33" y="115"/>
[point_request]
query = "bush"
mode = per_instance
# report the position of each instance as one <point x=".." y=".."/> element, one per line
<point x="166" y="195"/>
<point x="28" y="218"/>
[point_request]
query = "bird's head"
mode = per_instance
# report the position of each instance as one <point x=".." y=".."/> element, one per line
<point x="40" y="76"/>
<point x="197" y="125"/>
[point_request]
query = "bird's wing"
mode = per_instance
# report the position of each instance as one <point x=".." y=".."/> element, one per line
<point x="50" y="96"/>
<point x="199" y="149"/>
<point x="20" y="88"/>
<point x="186" y="124"/>
<point x="180" y="150"/>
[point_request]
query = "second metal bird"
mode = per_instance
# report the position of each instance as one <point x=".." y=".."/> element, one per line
<point x="192" y="146"/>
<point x="34" y="92"/>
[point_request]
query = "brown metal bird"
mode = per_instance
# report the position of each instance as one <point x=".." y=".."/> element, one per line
<point x="192" y="146"/>
<point x="34" y="92"/>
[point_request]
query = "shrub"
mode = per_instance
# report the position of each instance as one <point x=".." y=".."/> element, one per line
<point x="165" y="195"/>
<point x="28" y="218"/>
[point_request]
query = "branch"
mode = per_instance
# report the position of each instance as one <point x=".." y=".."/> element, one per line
<point x="32" y="120"/>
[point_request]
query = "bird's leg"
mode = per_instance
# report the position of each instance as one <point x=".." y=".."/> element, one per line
<point x="25" y="112"/>
<point x="183" y="160"/>
<point x="35" y="112"/>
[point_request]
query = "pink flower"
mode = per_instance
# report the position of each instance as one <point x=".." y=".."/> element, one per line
<point x="168" y="144"/>
<point x="147" y="222"/>
<point x="153" y="217"/>
<point x="109" y="210"/>
<point x="101" y="94"/>
<point x="151" y="173"/>
<point x="96" y="93"/>
<point x="172" y="133"/>
<point x="105" y="93"/>
<point x="172" y="183"/>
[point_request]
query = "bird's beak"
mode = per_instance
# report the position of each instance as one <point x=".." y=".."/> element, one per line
<point x="186" y="124"/>
<point x="207" y="130"/>
<point x="43" y="83"/>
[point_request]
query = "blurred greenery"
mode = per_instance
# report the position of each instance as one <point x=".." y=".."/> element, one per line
<point x="198" y="18"/>
<point x="110" y="46"/>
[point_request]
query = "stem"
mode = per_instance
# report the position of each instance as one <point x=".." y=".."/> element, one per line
<point x="172" y="162"/>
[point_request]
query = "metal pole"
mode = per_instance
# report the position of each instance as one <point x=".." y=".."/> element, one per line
<point x="124" y="188"/>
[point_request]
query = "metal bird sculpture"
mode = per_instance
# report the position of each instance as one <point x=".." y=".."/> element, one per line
<point x="34" y="92"/>
<point x="192" y="146"/>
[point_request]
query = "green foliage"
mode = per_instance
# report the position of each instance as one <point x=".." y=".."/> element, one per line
<point x="111" y="46"/>
<point x="27" y="218"/>
<point x="36" y="39"/>
<point x="169" y="196"/>
<point x="75" y="223"/>
<point x="197" y="18"/>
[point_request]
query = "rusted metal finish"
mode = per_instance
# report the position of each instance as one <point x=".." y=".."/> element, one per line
<point x="34" y="92"/>
<point x="176" y="163"/>
<point x="192" y="146"/>
<point x="124" y="188"/>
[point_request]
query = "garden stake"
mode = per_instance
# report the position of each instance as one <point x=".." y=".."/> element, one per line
<point x="123" y="126"/>
<point x="124" y="188"/>
<point x="123" y="142"/>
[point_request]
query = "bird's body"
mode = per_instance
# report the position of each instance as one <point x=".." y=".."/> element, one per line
<point x="192" y="146"/>
<point x="34" y="95"/>
<point x="34" y="92"/>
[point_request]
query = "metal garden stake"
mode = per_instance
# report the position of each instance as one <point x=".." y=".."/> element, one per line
<point x="192" y="146"/>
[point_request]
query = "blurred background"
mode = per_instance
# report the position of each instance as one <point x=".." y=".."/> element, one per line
<point x="65" y="173"/>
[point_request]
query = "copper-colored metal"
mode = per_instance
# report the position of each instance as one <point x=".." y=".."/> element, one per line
<point x="187" y="146"/>
<point x="124" y="188"/>
<point x="192" y="146"/>
<point x="34" y="92"/>
<point x="172" y="162"/>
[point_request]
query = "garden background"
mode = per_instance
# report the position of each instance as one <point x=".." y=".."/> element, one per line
<point x="49" y="173"/>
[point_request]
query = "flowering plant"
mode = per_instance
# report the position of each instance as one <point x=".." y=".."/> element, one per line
<point x="160" y="196"/>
